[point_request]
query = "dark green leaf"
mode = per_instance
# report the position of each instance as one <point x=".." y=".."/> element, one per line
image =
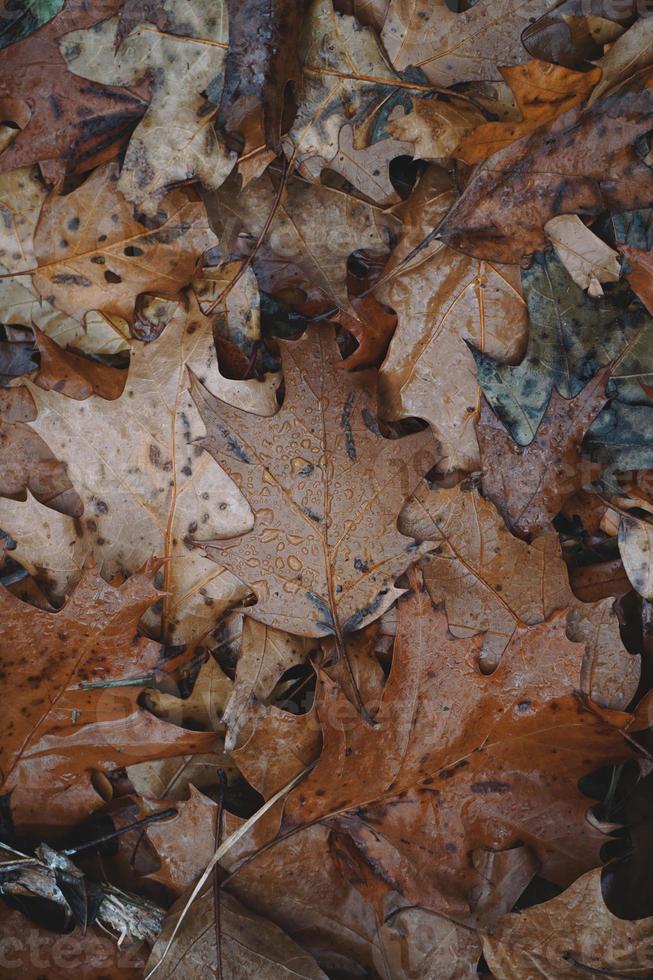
<point x="20" y="18"/>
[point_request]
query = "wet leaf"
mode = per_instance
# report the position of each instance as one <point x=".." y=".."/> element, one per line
<point x="561" y="168"/>
<point x="542" y="92"/>
<point x="163" y="491"/>
<point x="587" y="259"/>
<point x="56" y="730"/>
<point x="93" y="254"/>
<point x="20" y="18"/>
<point x="326" y="489"/>
<point x="572" y="933"/>
<point x="176" y="140"/>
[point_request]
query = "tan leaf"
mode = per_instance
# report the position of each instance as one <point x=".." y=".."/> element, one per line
<point x="202" y="709"/>
<point x="587" y="259"/>
<point x="176" y="140"/>
<point x="436" y="127"/>
<point x="630" y="52"/>
<point x="636" y="550"/>
<point x="22" y="195"/>
<point x="146" y="485"/>
<point x="326" y="489"/>
<point x="265" y="653"/>
<point x="107" y="256"/>
<point x="492" y="582"/>
<point x="570" y="935"/>
<point x="250" y="945"/>
<point x="346" y="76"/>
<point x="443" y="298"/>
<point x="454" y="47"/>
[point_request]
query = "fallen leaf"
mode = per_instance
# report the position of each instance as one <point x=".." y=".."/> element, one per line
<point x="443" y="298"/>
<point x="73" y="375"/>
<point x="446" y="775"/>
<point x="529" y="483"/>
<point x="323" y="555"/>
<point x="493" y="583"/>
<point x="542" y="92"/>
<point x="164" y="490"/>
<point x="587" y="259"/>
<point x="18" y="20"/>
<point x="262" y="60"/>
<point x="561" y="168"/>
<point x="22" y="194"/>
<point x="436" y="127"/>
<point x="640" y="275"/>
<point x="265" y="653"/>
<point x="629" y="54"/>
<point x="56" y="730"/>
<point x="249" y="945"/>
<point x="571" y="336"/>
<point x="202" y="709"/>
<point x="297" y="230"/>
<point x="344" y="65"/>
<point x="108" y="256"/>
<point x="635" y="546"/>
<point x="44" y="100"/>
<point x="29" y="464"/>
<point x="569" y="35"/>
<point x="454" y="47"/>
<point x="572" y="933"/>
<point x="176" y="140"/>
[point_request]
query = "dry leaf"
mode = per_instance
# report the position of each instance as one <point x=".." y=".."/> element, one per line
<point x="325" y="488"/>
<point x="587" y="259"/>
<point x="176" y="140"/>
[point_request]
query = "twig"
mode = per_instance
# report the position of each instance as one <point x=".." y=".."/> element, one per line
<point x="161" y="815"/>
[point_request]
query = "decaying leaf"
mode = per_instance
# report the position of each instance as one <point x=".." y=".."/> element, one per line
<point x="106" y="256"/>
<point x="250" y="945"/>
<point x="587" y="259"/>
<point x="344" y="65"/>
<point x="492" y="583"/>
<point x="635" y="545"/>
<point x="325" y="488"/>
<point x="19" y="19"/>
<point x="62" y="721"/>
<point x="542" y="92"/>
<point x="442" y="299"/>
<point x="436" y="127"/>
<point x="442" y="773"/>
<point x="640" y="275"/>
<point x="453" y="47"/>
<point x="573" y="165"/>
<point x="529" y="483"/>
<point x="61" y="119"/>
<point x="164" y="492"/>
<point x="262" y="60"/>
<point x="571" y="336"/>
<point x="572" y="934"/>
<point x="176" y="140"/>
<point x="629" y="53"/>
